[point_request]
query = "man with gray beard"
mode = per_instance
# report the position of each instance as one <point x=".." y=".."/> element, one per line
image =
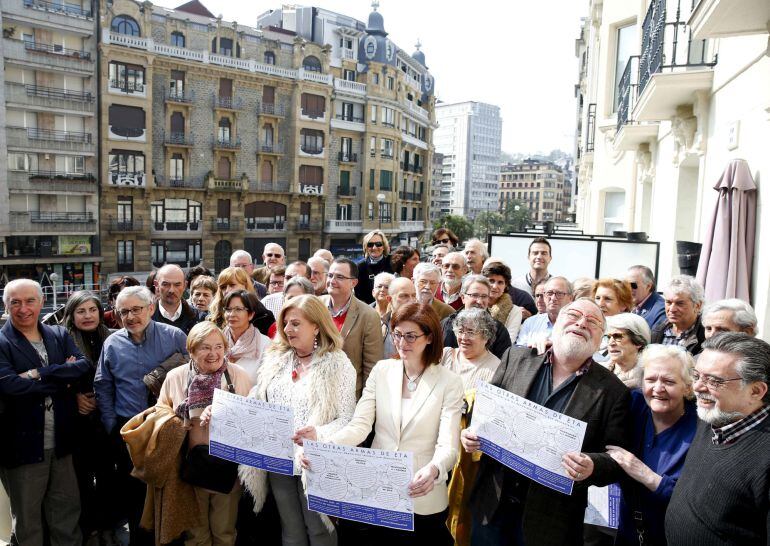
<point x="509" y="508"/>
<point x="722" y="495"/>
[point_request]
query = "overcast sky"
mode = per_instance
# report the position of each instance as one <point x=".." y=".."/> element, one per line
<point x="516" y="54"/>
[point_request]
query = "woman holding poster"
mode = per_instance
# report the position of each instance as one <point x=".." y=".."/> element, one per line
<point x="414" y="405"/>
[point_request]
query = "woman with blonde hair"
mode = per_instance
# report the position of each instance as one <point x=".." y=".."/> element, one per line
<point x="613" y="296"/>
<point x="236" y="278"/>
<point x="188" y="391"/>
<point x="304" y="368"/>
<point x="376" y="260"/>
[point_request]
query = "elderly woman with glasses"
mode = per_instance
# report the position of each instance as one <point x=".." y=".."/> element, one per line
<point x="627" y="336"/>
<point x="306" y="369"/>
<point x="84" y="320"/>
<point x="664" y="425"/>
<point x="188" y="391"/>
<point x="376" y="260"/>
<point x="471" y="360"/>
<point x="413" y="404"/>
<point x="247" y="344"/>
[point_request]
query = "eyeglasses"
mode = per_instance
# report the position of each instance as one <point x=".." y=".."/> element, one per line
<point x="442" y="241"/>
<point x="230" y="310"/>
<point x="634" y="286"/>
<point x="271" y="255"/>
<point x="409" y="337"/>
<point x="477" y="296"/>
<point x="131" y="311"/>
<point x="712" y="382"/>
<point x="617" y="337"/>
<point x="276" y="283"/>
<point x="377" y="244"/>
<point x="554" y="294"/>
<point x="466" y="333"/>
<point x="338" y="277"/>
<point x="574" y="315"/>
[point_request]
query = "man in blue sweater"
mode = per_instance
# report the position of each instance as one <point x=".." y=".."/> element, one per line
<point x="722" y="494"/>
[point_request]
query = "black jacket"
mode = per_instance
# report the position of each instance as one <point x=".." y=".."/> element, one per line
<point x="189" y="317"/>
<point x="694" y="347"/>
<point x="366" y="274"/>
<point x="500" y="344"/>
<point x="263" y="318"/>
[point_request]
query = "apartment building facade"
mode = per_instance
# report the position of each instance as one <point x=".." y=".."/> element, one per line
<point x="670" y="91"/>
<point x="49" y="207"/>
<point x="538" y="185"/>
<point x="219" y="136"/>
<point x="469" y="137"/>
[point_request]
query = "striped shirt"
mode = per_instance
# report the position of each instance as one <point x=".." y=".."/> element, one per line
<point x="730" y="433"/>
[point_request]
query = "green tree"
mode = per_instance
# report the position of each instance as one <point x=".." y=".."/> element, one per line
<point x="488" y="222"/>
<point x="516" y="216"/>
<point x="459" y="225"/>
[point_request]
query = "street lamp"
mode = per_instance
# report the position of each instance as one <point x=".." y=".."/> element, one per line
<point x="380" y="199"/>
<point x="53" y="277"/>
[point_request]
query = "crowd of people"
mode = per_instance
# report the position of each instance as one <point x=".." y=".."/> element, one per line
<point x="106" y="417"/>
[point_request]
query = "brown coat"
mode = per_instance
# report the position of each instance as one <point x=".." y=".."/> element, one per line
<point x="442" y="309"/>
<point x="155" y="438"/>
<point x="362" y="339"/>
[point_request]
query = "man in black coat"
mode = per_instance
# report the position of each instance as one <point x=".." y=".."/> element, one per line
<point x="172" y="308"/>
<point x="508" y="508"/>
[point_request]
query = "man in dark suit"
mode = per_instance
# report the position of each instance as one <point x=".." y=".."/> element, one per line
<point x="510" y="509"/>
<point x="172" y="308"/>
<point x="38" y="363"/>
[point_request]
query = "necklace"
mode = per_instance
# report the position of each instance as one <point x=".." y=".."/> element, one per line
<point x="411" y="383"/>
<point x="298" y="364"/>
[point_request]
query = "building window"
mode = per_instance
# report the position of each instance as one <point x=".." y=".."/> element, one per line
<point x="372" y="146"/>
<point x="265" y="216"/>
<point x="269" y="57"/>
<point x="374" y="113"/>
<point x="223" y="130"/>
<point x="125" y="210"/>
<point x="624" y="48"/>
<point x="349" y="75"/>
<point x="182" y="252"/>
<point x="127" y="168"/>
<point x="123" y="24"/>
<point x="313" y="106"/>
<point x="388" y="117"/>
<point x="376" y="78"/>
<point x="128" y="78"/>
<point x="371" y="179"/>
<point x="370" y="210"/>
<point x="344" y="182"/>
<point x="311" y="141"/>
<point x="346" y="148"/>
<point x="311" y="64"/>
<point x="386" y="180"/>
<point x="126" y="255"/>
<point x="126" y="121"/>
<point x="176" y="84"/>
<point x="386" y="214"/>
<point x="311" y="178"/>
<point x="22" y="162"/>
<point x="176" y="167"/>
<point x="225" y="47"/>
<point x="177" y="39"/>
<point x="344" y="212"/>
<point x="176" y="214"/>
<point x="391" y="83"/>
<point x="386" y="148"/>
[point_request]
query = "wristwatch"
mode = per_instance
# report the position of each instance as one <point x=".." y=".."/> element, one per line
<point x="33" y="374"/>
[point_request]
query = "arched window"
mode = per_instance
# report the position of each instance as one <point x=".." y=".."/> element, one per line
<point x="123" y="24"/>
<point x="311" y="64"/>
<point x="269" y="57"/>
<point x="177" y="39"/>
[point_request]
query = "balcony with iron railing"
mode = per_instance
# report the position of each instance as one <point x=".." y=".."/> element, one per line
<point x="51" y="182"/>
<point x="265" y="224"/>
<point x="47" y="57"/>
<point x="128" y="179"/>
<point x="33" y="138"/>
<point x="347" y="157"/>
<point x="220" y="225"/>
<point x="222" y="143"/>
<point x="133" y="225"/>
<point x="271" y="109"/>
<point x="68" y="10"/>
<point x="227" y="103"/>
<point x="58" y="50"/>
<point x="306" y="224"/>
<point x="178" y="139"/>
<point x="349" y="117"/>
<point x="673" y="66"/>
<point x="630" y="134"/>
<point x="180" y="97"/>
<point x="52" y="222"/>
<point x="187" y="227"/>
<point x="349" y="191"/>
<point x="127" y="87"/>
<point x="50" y="98"/>
<point x="269" y="147"/>
<point x="174" y="182"/>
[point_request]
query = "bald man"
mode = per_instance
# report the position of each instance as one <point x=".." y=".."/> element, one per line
<point x="272" y="256"/>
<point x="172" y="308"/>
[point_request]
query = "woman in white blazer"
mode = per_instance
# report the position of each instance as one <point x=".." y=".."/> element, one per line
<point x="414" y="405"/>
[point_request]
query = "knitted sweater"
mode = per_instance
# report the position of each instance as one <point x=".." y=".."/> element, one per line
<point x="723" y="494"/>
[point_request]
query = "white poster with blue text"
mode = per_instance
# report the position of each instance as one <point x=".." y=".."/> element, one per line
<point x="525" y="436"/>
<point x="360" y="484"/>
<point x="252" y="432"/>
<point x="603" y="506"/>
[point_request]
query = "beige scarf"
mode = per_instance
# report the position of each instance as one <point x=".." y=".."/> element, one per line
<point x="502" y="308"/>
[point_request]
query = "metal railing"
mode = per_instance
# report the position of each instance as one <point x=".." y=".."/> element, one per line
<point x="346" y="192"/>
<point x="225" y="224"/>
<point x="57" y="93"/>
<point x="176" y="226"/>
<point x="270" y="147"/>
<point x="257" y="224"/>
<point x="60" y="175"/>
<point x="126" y="86"/>
<point x="179" y="139"/>
<point x="627" y="90"/>
<point x="667" y="42"/>
<point x="117" y="226"/>
<point x="56" y="49"/>
<point x="227" y="144"/>
<point x="308" y="225"/>
<point x="311" y="149"/>
<point x="229" y="103"/>
<point x="347" y="157"/>
<point x="174" y="96"/>
<point x="270" y="109"/>
<point x="590" y="127"/>
<point x="345" y="117"/>
<point x="162" y="182"/>
<point x="35" y="133"/>
<point x="65" y="9"/>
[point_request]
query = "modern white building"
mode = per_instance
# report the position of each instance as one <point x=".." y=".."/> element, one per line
<point x="669" y="92"/>
<point x="469" y="136"/>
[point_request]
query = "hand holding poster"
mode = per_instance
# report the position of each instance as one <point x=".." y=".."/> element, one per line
<point x="359" y="484"/>
<point x="525" y="436"/>
<point x="252" y="432"/>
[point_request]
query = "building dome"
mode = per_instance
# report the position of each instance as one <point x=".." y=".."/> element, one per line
<point x="376" y="24"/>
<point x="418" y="55"/>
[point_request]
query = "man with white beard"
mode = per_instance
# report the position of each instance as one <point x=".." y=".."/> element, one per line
<point x="722" y="494"/>
<point x="509" y="508"/>
<point x="427" y="278"/>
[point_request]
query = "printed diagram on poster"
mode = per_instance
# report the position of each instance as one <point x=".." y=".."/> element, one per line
<point x="367" y="485"/>
<point x="525" y="436"/>
<point x="252" y="432"/>
<point x="603" y="506"/>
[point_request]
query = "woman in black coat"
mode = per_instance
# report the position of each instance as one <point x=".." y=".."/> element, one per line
<point x="376" y="260"/>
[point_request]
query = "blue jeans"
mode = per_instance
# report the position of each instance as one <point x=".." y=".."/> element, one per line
<point x="504" y="529"/>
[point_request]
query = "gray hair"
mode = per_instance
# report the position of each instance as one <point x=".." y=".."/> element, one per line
<point x="318" y="259"/>
<point x="566" y="307"/>
<point x="76" y="300"/>
<point x="240" y="254"/>
<point x="566" y="282"/>
<point x="456" y="253"/>
<point x="664" y="352"/>
<point x="743" y="314"/>
<point x="646" y="273"/>
<point x="637" y="328"/>
<point x="384" y="275"/>
<point x="685" y="284"/>
<point x="305" y="284"/>
<point x="468" y="280"/>
<point x="141" y="292"/>
<point x="426" y="268"/>
<point x="478" y="320"/>
<point x="484" y="252"/>
<point x="17" y="283"/>
<point x="753" y="354"/>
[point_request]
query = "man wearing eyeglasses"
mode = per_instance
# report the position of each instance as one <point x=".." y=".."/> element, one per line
<point x="37" y="365"/>
<point x="127" y="356"/>
<point x="648" y="303"/>
<point x="272" y="256"/>
<point x="358" y="323"/>
<point x="475" y="294"/>
<point x="427" y="278"/>
<point x="508" y="508"/>
<point x="454" y="267"/>
<point x="536" y="329"/>
<point x="722" y="494"/>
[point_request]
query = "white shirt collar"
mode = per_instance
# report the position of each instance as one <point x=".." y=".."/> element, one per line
<point x="175" y="316"/>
